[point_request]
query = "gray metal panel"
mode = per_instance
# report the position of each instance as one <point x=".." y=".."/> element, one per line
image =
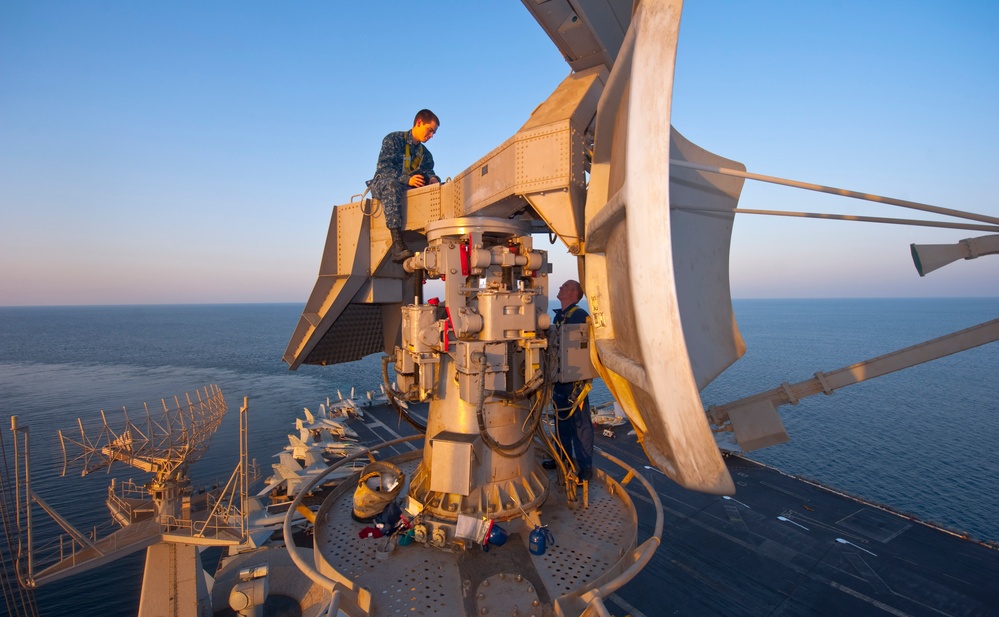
<point x="341" y="321"/>
<point x="452" y="463"/>
<point x="574" y="353"/>
<point x="543" y="165"/>
<point x="589" y="33"/>
<point x="702" y="209"/>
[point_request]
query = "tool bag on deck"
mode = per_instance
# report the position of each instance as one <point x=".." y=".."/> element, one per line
<point x="379" y="485"/>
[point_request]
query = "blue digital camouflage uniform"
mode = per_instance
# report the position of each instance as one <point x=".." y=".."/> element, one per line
<point x="575" y="431"/>
<point x="400" y="158"/>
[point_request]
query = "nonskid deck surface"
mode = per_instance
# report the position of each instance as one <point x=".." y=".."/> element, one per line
<point x="828" y="554"/>
<point x="833" y="555"/>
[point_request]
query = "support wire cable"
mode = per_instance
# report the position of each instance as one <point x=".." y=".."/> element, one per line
<point x="844" y="217"/>
<point x="726" y="171"/>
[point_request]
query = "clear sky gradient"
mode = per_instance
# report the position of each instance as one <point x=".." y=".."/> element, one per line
<point x="190" y="152"/>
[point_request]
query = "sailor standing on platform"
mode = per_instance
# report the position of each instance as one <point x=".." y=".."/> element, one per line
<point x="404" y="163"/>
<point x="573" y="423"/>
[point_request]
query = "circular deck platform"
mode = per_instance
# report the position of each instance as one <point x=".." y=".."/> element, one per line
<point x="593" y="545"/>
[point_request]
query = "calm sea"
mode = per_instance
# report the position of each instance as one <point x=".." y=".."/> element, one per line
<point x="922" y="440"/>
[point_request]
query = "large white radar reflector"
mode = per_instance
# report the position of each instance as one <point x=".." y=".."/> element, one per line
<point x="656" y="266"/>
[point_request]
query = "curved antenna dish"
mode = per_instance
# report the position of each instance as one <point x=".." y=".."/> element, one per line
<point x="657" y="281"/>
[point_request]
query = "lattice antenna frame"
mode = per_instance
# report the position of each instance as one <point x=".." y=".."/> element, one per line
<point x="161" y="443"/>
<point x="164" y="444"/>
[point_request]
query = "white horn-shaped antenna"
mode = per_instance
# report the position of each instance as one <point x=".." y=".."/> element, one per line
<point x="930" y="257"/>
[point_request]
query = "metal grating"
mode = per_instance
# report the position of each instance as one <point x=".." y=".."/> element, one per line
<point x="587" y="543"/>
<point x="406" y="580"/>
<point x="417" y="580"/>
<point x="356" y="333"/>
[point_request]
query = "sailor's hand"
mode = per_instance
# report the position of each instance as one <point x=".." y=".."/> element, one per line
<point x="417" y="180"/>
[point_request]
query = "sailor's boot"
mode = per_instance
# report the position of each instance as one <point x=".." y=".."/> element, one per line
<point x="400" y="252"/>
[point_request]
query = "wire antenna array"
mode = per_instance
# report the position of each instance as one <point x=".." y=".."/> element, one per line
<point x="161" y="442"/>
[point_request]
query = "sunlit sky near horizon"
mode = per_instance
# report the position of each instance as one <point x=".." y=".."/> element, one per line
<point x="191" y="152"/>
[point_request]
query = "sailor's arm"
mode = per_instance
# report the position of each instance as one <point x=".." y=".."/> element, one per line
<point x="427" y="167"/>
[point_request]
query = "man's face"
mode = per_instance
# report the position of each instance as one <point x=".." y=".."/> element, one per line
<point x="424" y="132"/>
<point x="567" y="293"/>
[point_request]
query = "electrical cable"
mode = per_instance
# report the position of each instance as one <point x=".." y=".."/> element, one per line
<point x="390" y="396"/>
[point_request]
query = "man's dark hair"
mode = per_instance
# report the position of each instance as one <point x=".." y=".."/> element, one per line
<point x="427" y="117"/>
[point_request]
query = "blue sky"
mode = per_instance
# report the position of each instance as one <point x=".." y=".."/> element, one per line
<point x="191" y="152"/>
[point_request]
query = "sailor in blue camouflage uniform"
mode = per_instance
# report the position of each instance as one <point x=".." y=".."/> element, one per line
<point x="404" y="163"/>
<point x="573" y="423"/>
